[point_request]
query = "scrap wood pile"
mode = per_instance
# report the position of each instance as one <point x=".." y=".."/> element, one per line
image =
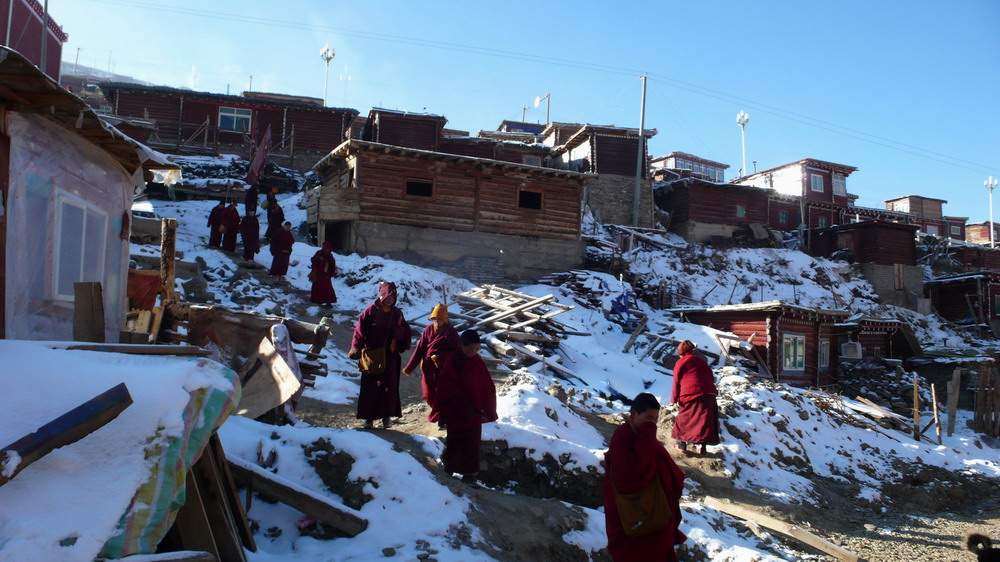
<point x="518" y="326"/>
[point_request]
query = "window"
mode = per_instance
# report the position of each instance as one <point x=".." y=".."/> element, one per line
<point x="81" y="239"/>
<point x="529" y="199"/>
<point x="531" y="160"/>
<point x="822" y="222"/>
<point x="782" y="217"/>
<point x="420" y="188"/>
<point x="933" y="230"/>
<point x="956" y="230"/>
<point x="996" y="305"/>
<point x="793" y="352"/>
<point x="876" y="351"/>
<point x="840" y="185"/>
<point x="901" y="206"/>
<point x="741" y="211"/>
<point x="824" y="354"/>
<point x="816" y="181"/>
<point x="234" y="119"/>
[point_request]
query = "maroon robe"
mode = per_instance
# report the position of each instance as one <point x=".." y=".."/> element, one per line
<point x="250" y="200"/>
<point x="379" y="395"/>
<point x="633" y="459"/>
<point x="281" y="249"/>
<point x="442" y="343"/>
<point x="214" y="222"/>
<point x="324" y="268"/>
<point x="275" y="217"/>
<point x="467" y="398"/>
<point x="697" y="419"/>
<point x="231" y="222"/>
<point x="250" y="231"/>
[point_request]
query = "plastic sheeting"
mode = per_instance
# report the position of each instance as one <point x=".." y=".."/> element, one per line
<point x="66" y="207"/>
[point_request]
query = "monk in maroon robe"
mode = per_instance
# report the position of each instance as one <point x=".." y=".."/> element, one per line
<point x="633" y="459"/>
<point x="324" y="268"/>
<point x="214" y="224"/>
<point x="437" y="343"/>
<point x="467" y="398"/>
<point x="281" y="250"/>
<point x="250" y="232"/>
<point x="231" y="227"/>
<point x="694" y="391"/>
<point x="275" y="216"/>
<point x="381" y="325"/>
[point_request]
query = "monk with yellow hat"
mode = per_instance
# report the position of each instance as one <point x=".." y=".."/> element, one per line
<point x="437" y="343"/>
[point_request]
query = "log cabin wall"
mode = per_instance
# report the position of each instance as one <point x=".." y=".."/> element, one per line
<point x="422" y="132"/>
<point x="743" y="324"/>
<point x="957" y="300"/>
<point x="828" y="336"/>
<point x="809" y="330"/>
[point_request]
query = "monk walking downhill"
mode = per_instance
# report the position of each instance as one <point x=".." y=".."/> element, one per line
<point x="697" y="419"/>
<point x="230" y="227"/>
<point x="215" y="224"/>
<point x="324" y="268"/>
<point x="281" y="250"/>
<point x="467" y="398"/>
<point x="636" y="463"/>
<point x="380" y="336"/>
<point x="250" y="232"/>
<point x="275" y="215"/>
<point x="437" y="343"/>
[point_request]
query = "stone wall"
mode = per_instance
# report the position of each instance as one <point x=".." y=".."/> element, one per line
<point x="612" y="196"/>
<point x="477" y="256"/>
<point x="883" y="280"/>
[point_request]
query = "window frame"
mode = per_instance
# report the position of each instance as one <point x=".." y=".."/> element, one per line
<point x="63" y="199"/>
<point x="955" y="230"/>
<point x="784" y="217"/>
<point x="427" y="181"/>
<point x="839" y="183"/>
<point x="541" y="200"/>
<point x="798" y="362"/>
<point x="824" y="353"/>
<point x="821" y="222"/>
<point x="812" y="183"/>
<point x="746" y="210"/>
<point x="235" y="114"/>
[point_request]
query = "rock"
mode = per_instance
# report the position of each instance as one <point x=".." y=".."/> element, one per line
<point x="388" y="552"/>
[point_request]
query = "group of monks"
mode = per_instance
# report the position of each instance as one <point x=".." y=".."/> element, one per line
<point x="456" y="383"/>
<point x="224" y="222"/>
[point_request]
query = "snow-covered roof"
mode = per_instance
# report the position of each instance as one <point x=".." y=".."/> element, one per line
<point x="766" y="306"/>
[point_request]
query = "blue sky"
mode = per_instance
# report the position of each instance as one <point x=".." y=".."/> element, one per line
<point x="905" y="91"/>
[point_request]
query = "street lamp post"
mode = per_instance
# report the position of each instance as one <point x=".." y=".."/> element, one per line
<point x="742" y="119"/>
<point x="991" y="184"/>
<point x="327" y="54"/>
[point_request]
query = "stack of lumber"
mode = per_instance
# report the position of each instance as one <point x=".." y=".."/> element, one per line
<point x="519" y="326"/>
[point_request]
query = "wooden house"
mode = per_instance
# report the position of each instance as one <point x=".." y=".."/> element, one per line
<point x="478" y="218"/>
<point x="701" y="209"/>
<point x="401" y="128"/>
<point x="699" y="167"/>
<point x="979" y="233"/>
<point x="66" y="188"/>
<point x="24" y="21"/>
<point x="928" y="215"/>
<point x="802" y="346"/>
<point x="967" y="298"/>
<point x="870" y="241"/>
<point x="302" y="129"/>
<point x="610" y="154"/>
<point x="820" y="186"/>
<point x="975" y="257"/>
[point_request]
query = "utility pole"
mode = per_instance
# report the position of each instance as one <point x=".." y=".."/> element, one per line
<point x="523" y="109"/>
<point x="45" y="32"/>
<point x="77" y="61"/>
<point x="991" y="184"/>
<point x="640" y="157"/>
<point x="548" y="104"/>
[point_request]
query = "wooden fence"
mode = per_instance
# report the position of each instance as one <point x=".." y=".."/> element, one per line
<point x="987" y="413"/>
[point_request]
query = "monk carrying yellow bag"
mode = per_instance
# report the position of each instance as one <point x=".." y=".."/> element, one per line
<point x="372" y="361"/>
<point x="643" y="512"/>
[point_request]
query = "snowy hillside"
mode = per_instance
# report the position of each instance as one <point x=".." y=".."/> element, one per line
<point x="794" y="451"/>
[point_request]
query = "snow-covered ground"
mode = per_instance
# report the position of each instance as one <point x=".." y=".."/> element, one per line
<point x="775" y="439"/>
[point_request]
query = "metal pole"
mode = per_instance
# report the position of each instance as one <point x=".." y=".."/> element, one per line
<point x="77" y="61"/>
<point x="326" y="82"/>
<point x="45" y="32"/>
<point x="548" y="104"/>
<point x="523" y="109"/>
<point x="10" y="18"/>
<point x="990" y="185"/>
<point x="743" y="140"/>
<point x="640" y="160"/>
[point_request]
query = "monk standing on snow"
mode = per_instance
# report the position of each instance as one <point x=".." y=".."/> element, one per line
<point x="697" y="419"/>
<point x="281" y="248"/>
<point x="633" y="460"/>
<point x="250" y="232"/>
<point x="231" y="227"/>
<point x="275" y="216"/>
<point x="467" y="398"/>
<point x="381" y="326"/>
<point x="324" y="268"/>
<point x="437" y="343"/>
<point x="215" y="224"/>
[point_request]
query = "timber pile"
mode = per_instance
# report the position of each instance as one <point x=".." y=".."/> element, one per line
<point x="518" y="326"/>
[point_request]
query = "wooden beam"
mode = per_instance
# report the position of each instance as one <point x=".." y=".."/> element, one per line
<point x="308" y="502"/>
<point x="954" y="387"/>
<point x="635" y="334"/>
<point x="168" y="249"/>
<point x="138" y="349"/>
<point x="787" y="529"/>
<point x="65" y="429"/>
<point x="88" y="312"/>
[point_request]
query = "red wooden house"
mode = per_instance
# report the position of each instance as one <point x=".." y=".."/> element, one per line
<point x="967" y="298"/>
<point x="21" y="24"/>
<point x="979" y="233"/>
<point x="871" y="241"/>
<point x="700" y="209"/>
<point x="976" y="257"/>
<point x="816" y="187"/>
<point x="802" y="346"/>
<point x="697" y="166"/>
<point x="927" y="213"/>
<point x="222" y="122"/>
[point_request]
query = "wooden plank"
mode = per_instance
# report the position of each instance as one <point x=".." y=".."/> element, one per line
<point x="183" y="350"/>
<point x="635" y="333"/>
<point x="276" y="488"/>
<point x="782" y="527"/>
<point x="154" y="328"/>
<point x="88" y="312"/>
<point x="168" y="238"/>
<point x="217" y="508"/>
<point x="65" y="429"/>
<point x="916" y="409"/>
<point x="228" y="486"/>
<point x="937" y="418"/>
<point x="192" y="524"/>
<point x="954" y="387"/>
